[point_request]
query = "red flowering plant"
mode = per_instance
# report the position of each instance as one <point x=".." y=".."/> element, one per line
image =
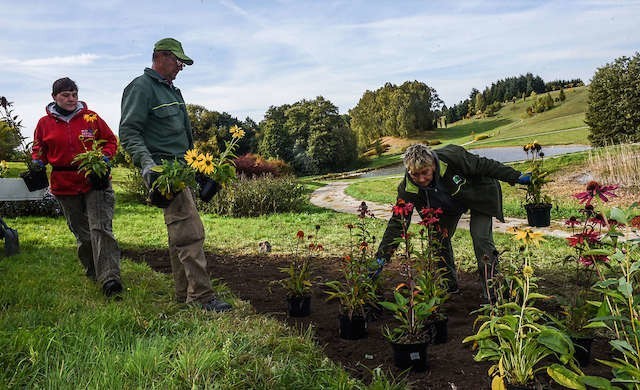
<point x="358" y="290"/>
<point x="298" y="282"/>
<point x="423" y="290"/>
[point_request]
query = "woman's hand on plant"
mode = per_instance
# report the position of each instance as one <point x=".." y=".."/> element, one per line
<point x="37" y="164"/>
<point x="374" y="274"/>
<point x="525" y="178"/>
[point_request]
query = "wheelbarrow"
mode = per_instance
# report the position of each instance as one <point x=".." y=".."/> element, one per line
<point x="10" y="237"/>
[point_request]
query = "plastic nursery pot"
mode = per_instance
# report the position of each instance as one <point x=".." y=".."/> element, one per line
<point x="413" y="356"/>
<point x="582" y="350"/>
<point x="158" y="200"/>
<point x="208" y="188"/>
<point x="35" y="180"/>
<point x="439" y="330"/>
<point x="353" y="328"/>
<point x="299" y="306"/>
<point x="99" y="183"/>
<point x="538" y="215"/>
<point x="509" y="386"/>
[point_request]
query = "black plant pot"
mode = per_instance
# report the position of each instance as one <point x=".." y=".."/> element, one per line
<point x="538" y="215"/>
<point x="413" y="356"/>
<point x="208" y="188"/>
<point x="99" y="183"/>
<point x="35" y="179"/>
<point x="158" y="200"/>
<point x="582" y="350"/>
<point x="299" y="306"/>
<point x="509" y="386"/>
<point x="439" y="330"/>
<point x="353" y="328"/>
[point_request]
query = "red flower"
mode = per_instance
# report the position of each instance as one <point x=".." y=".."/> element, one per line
<point x="592" y="259"/>
<point x="402" y="208"/>
<point x="430" y="216"/>
<point x="598" y="219"/>
<point x="635" y="221"/>
<point x="300" y="234"/>
<point x="595" y="189"/>
<point x="580" y="238"/>
<point x="573" y="222"/>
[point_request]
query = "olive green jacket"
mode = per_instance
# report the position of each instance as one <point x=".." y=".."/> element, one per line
<point x="462" y="181"/>
<point x="154" y="124"/>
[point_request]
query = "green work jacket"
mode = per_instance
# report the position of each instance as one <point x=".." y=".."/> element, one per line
<point x="154" y="124"/>
<point x="462" y="181"/>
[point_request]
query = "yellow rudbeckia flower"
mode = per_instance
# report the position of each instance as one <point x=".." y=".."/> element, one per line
<point x="191" y="157"/>
<point x="206" y="165"/>
<point x="90" y="118"/>
<point x="528" y="236"/>
<point x="236" y="132"/>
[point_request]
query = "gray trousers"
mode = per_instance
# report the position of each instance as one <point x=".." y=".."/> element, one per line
<point x="89" y="217"/>
<point x="481" y="229"/>
<point x="186" y="239"/>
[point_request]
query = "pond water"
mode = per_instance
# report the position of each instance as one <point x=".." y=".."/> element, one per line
<point x="503" y="154"/>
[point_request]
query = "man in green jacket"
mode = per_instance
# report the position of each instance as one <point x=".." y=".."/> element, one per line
<point x="455" y="181"/>
<point x="154" y="126"/>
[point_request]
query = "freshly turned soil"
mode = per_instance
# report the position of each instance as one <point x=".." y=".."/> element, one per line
<point x="451" y="365"/>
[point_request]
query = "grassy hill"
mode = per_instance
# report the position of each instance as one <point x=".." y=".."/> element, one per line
<point x="511" y="126"/>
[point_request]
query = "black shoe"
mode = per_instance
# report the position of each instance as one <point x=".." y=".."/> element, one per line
<point x="111" y="288"/>
<point x="216" y="305"/>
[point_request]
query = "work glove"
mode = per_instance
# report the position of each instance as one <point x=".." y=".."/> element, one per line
<point x="37" y="165"/>
<point x="106" y="160"/>
<point x="375" y="273"/>
<point x="149" y="175"/>
<point x="524" y="178"/>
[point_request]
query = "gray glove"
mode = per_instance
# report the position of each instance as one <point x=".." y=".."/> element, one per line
<point x="149" y="175"/>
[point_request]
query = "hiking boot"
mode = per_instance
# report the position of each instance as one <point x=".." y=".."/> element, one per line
<point x="111" y="288"/>
<point x="216" y="305"/>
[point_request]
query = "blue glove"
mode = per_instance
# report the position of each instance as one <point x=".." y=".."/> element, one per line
<point x="376" y="273"/>
<point x="106" y="159"/>
<point x="38" y="163"/>
<point x="525" y="178"/>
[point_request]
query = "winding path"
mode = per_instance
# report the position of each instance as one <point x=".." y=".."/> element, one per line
<point x="332" y="196"/>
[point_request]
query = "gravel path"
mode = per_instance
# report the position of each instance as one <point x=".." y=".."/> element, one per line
<point x="332" y="196"/>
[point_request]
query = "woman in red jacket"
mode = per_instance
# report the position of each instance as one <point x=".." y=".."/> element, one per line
<point x="68" y="129"/>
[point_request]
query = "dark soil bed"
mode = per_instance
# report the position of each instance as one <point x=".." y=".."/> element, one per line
<point x="451" y="365"/>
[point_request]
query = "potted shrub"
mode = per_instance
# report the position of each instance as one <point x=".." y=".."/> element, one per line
<point x="537" y="205"/>
<point x="514" y="334"/>
<point x="357" y="291"/>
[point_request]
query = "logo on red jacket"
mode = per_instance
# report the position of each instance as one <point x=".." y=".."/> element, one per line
<point x="87" y="134"/>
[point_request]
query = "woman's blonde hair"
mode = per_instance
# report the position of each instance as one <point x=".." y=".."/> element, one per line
<point x="417" y="157"/>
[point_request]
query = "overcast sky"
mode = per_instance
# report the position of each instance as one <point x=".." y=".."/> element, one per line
<point x="250" y="55"/>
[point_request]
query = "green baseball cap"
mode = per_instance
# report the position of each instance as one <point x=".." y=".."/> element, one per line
<point x="174" y="46"/>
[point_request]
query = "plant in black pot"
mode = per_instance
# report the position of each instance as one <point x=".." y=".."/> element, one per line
<point x="357" y="291"/>
<point x="94" y="165"/>
<point x="298" y="280"/>
<point x="537" y="204"/>
<point x="213" y="173"/>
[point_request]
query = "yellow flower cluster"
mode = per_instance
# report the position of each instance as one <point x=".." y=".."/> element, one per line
<point x="236" y="132"/>
<point x="4" y="168"/>
<point x="201" y="162"/>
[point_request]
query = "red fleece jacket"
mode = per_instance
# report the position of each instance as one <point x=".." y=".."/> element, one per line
<point x="57" y="141"/>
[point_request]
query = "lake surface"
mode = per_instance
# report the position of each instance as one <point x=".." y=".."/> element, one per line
<point x="503" y="154"/>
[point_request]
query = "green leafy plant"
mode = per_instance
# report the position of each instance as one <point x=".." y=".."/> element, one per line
<point x="514" y="333"/>
<point x="418" y="298"/>
<point x="298" y="282"/>
<point x="174" y="176"/>
<point x="358" y="288"/>
<point x="91" y="161"/>
<point x="539" y="177"/>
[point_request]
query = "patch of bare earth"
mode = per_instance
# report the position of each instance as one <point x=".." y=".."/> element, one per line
<point x="451" y="365"/>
